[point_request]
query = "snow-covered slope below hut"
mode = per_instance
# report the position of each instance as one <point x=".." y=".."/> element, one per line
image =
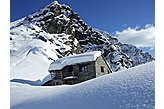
<point x="127" y="89"/>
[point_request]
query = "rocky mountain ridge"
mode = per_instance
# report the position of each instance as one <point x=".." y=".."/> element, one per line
<point x="61" y="32"/>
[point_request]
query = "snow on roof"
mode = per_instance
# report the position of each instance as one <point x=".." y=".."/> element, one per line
<point x="74" y="59"/>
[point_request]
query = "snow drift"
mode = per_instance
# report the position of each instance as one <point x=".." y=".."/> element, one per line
<point x="127" y="89"/>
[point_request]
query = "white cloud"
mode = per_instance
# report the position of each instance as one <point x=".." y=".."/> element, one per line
<point x="144" y="37"/>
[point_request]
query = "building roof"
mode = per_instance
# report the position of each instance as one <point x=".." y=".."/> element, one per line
<point x="74" y="59"/>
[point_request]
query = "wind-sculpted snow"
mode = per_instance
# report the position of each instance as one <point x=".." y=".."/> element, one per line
<point x="127" y="89"/>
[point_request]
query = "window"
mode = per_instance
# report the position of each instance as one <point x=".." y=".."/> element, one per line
<point x="83" y="68"/>
<point x="102" y="68"/>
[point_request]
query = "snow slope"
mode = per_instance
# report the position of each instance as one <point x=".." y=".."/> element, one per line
<point x="31" y="53"/>
<point x="127" y="89"/>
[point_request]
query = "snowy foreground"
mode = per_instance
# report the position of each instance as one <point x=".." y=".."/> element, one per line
<point x="127" y="89"/>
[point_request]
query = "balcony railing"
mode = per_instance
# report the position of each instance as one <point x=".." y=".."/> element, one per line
<point x="70" y="74"/>
<point x="60" y="75"/>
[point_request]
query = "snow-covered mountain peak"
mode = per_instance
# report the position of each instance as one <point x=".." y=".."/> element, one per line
<point x="55" y="3"/>
<point x="56" y="31"/>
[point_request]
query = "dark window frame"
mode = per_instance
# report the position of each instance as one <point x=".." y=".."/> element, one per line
<point x="83" y="68"/>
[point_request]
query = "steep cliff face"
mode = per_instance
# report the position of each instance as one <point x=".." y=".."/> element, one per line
<point x="65" y="33"/>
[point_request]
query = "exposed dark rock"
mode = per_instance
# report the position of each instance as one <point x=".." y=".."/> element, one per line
<point x="42" y="38"/>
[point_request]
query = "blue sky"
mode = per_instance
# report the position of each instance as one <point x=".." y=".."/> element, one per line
<point x="108" y="15"/>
